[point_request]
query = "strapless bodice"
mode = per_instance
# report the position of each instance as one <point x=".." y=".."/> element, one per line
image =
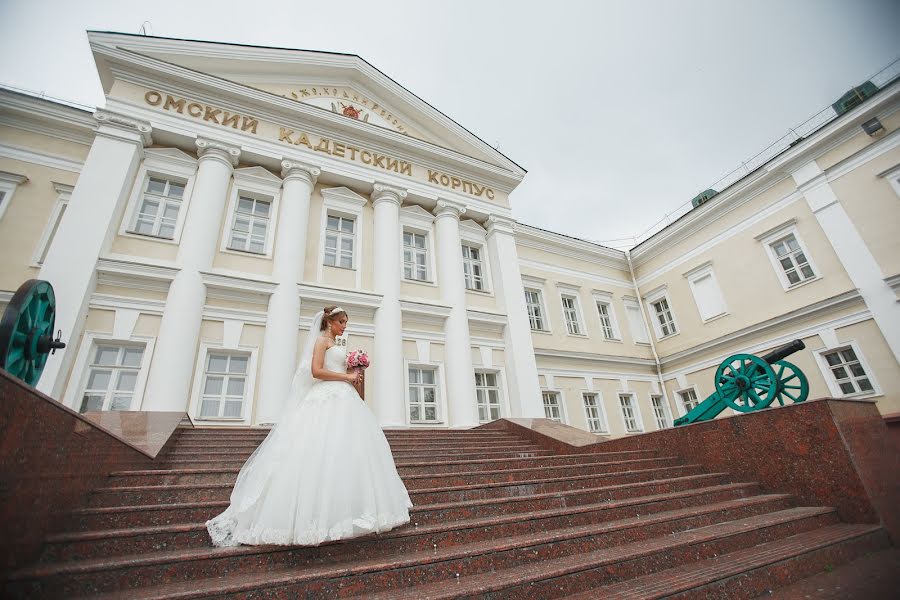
<point x="336" y="359"/>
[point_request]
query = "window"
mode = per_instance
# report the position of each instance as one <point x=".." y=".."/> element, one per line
<point x="224" y="386"/>
<point x="159" y="208"/>
<point x="607" y="320"/>
<point x="635" y="321"/>
<point x="422" y="394"/>
<point x="630" y="413"/>
<point x="487" y="393"/>
<point x="64" y="193"/>
<point x="688" y="399"/>
<point x="792" y="260"/>
<point x="250" y="225"/>
<point x="8" y="184"/>
<point x="570" y="309"/>
<point x="663" y="315"/>
<point x="535" y="310"/>
<point x="660" y="411"/>
<point x="848" y="372"/>
<point x="112" y="378"/>
<point x="707" y="294"/>
<point x="340" y="239"/>
<point x="594" y="413"/>
<point x="552" y="409"/>
<point x="415" y="256"/>
<point x="473" y="269"/>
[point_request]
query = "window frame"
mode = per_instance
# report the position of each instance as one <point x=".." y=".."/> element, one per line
<point x="638" y="418"/>
<point x="659" y="294"/>
<point x="667" y="414"/>
<point x="562" y="403"/>
<point x="475" y="236"/>
<point x="601" y="412"/>
<point x="9" y="183"/>
<point x="416" y="220"/>
<point x="342" y="202"/>
<point x="774" y="235"/>
<point x="691" y="388"/>
<point x="633" y="306"/>
<point x="606" y="299"/>
<point x="194" y="405"/>
<point x="694" y="276"/>
<point x="830" y="379"/>
<point x="439" y="395"/>
<point x="165" y="163"/>
<point x="566" y="291"/>
<point x="500" y="397"/>
<point x="258" y="184"/>
<point x="63" y="196"/>
<point x="542" y="305"/>
<point x="425" y="249"/>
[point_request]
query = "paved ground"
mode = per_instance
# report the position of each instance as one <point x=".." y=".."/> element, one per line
<point x="872" y="577"/>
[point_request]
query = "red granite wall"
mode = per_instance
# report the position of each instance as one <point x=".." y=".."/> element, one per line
<point x="50" y="459"/>
<point x="825" y="452"/>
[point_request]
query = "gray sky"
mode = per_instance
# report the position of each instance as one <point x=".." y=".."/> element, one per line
<point x="620" y="111"/>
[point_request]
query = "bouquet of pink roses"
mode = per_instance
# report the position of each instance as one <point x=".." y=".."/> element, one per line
<point x="358" y="358"/>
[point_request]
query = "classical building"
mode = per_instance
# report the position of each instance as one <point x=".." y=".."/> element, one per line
<point x="225" y="193"/>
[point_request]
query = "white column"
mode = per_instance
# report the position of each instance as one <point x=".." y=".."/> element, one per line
<point x="283" y="317"/>
<point x="852" y="251"/>
<point x="87" y="229"/>
<point x="461" y="400"/>
<point x="168" y="385"/>
<point x="388" y="357"/>
<point x="524" y="389"/>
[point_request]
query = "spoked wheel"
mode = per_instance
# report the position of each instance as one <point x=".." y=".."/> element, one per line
<point x="26" y="331"/>
<point x="746" y="382"/>
<point x="792" y="383"/>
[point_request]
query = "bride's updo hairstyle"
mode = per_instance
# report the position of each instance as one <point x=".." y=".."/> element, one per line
<point x="331" y="313"/>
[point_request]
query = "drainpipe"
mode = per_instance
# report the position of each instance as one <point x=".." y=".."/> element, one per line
<point x="637" y="293"/>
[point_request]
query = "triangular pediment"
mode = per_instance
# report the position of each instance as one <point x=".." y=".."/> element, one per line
<point x="343" y="84"/>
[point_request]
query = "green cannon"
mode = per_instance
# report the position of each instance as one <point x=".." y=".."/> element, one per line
<point x="26" y="331"/>
<point x="746" y="382"/>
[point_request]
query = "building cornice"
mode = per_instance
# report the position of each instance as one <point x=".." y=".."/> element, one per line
<point x="362" y="303"/>
<point x="226" y="286"/>
<point x="737" y="337"/>
<point x="46" y="117"/>
<point x="525" y="263"/>
<point x="592" y="357"/>
<point x="555" y="243"/>
<point x="113" y="302"/>
<point x="44" y="159"/>
<point x="133" y="274"/>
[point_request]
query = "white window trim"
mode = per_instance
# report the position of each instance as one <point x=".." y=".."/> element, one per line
<point x="342" y="202"/>
<point x="680" y="405"/>
<point x="440" y="390"/>
<point x="63" y="195"/>
<point x="563" y="413"/>
<point x="572" y="292"/>
<point x="638" y="417"/>
<point x="601" y="409"/>
<point x="695" y="275"/>
<point x="767" y="238"/>
<point x="893" y="177"/>
<point x="662" y="292"/>
<point x="537" y="285"/>
<point x="168" y="163"/>
<point x="629" y="302"/>
<point x="415" y="219"/>
<point x="607" y="299"/>
<point x="8" y="183"/>
<point x="251" y="185"/>
<point x="73" y="393"/>
<point x="250" y="389"/>
<point x="500" y="372"/>
<point x="829" y="376"/>
<point x="667" y="413"/>
<point x="474" y="235"/>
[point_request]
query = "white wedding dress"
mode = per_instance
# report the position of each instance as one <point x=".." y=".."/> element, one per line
<point x="325" y="472"/>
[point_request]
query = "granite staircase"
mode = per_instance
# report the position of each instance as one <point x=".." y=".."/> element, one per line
<point x="495" y="516"/>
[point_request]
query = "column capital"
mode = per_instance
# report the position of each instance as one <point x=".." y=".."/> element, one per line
<point x="124" y="124"/>
<point x="211" y="149"/>
<point x="292" y="169"/>
<point x="388" y="193"/>
<point x="497" y="224"/>
<point x="449" y="208"/>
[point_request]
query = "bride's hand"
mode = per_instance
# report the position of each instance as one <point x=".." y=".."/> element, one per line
<point x="352" y="378"/>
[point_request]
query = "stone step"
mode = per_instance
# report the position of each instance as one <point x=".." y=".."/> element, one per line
<point x="400" y="455"/>
<point x="675" y="490"/>
<point x="752" y="572"/>
<point x="312" y="573"/>
<point x="536" y="560"/>
<point x="249" y="447"/>
<point x="229" y="475"/>
<point x="416" y="536"/>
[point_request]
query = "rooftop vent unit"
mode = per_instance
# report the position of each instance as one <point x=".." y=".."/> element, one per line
<point x="854" y="97"/>
<point x="703" y="197"/>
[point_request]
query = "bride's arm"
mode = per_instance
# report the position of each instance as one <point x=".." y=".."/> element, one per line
<point x="318" y="365"/>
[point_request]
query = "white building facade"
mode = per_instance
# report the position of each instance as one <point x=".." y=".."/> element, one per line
<point x="226" y="193"/>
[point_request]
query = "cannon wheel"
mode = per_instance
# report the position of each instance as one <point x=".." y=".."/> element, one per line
<point x="792" y="383"/>
<point x="746" y="382"/>
<point x="26" y="330"/>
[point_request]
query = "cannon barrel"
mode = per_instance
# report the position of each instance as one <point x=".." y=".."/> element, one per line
<point x="779" y="353"/>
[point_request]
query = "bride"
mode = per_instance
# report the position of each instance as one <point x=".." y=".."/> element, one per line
<point x="325" y="471"/>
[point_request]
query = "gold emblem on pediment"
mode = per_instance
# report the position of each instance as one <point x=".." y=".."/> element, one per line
<point x="350" y="104"/>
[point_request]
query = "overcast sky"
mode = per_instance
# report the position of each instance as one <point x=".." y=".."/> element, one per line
<point x="620" y="111"/>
